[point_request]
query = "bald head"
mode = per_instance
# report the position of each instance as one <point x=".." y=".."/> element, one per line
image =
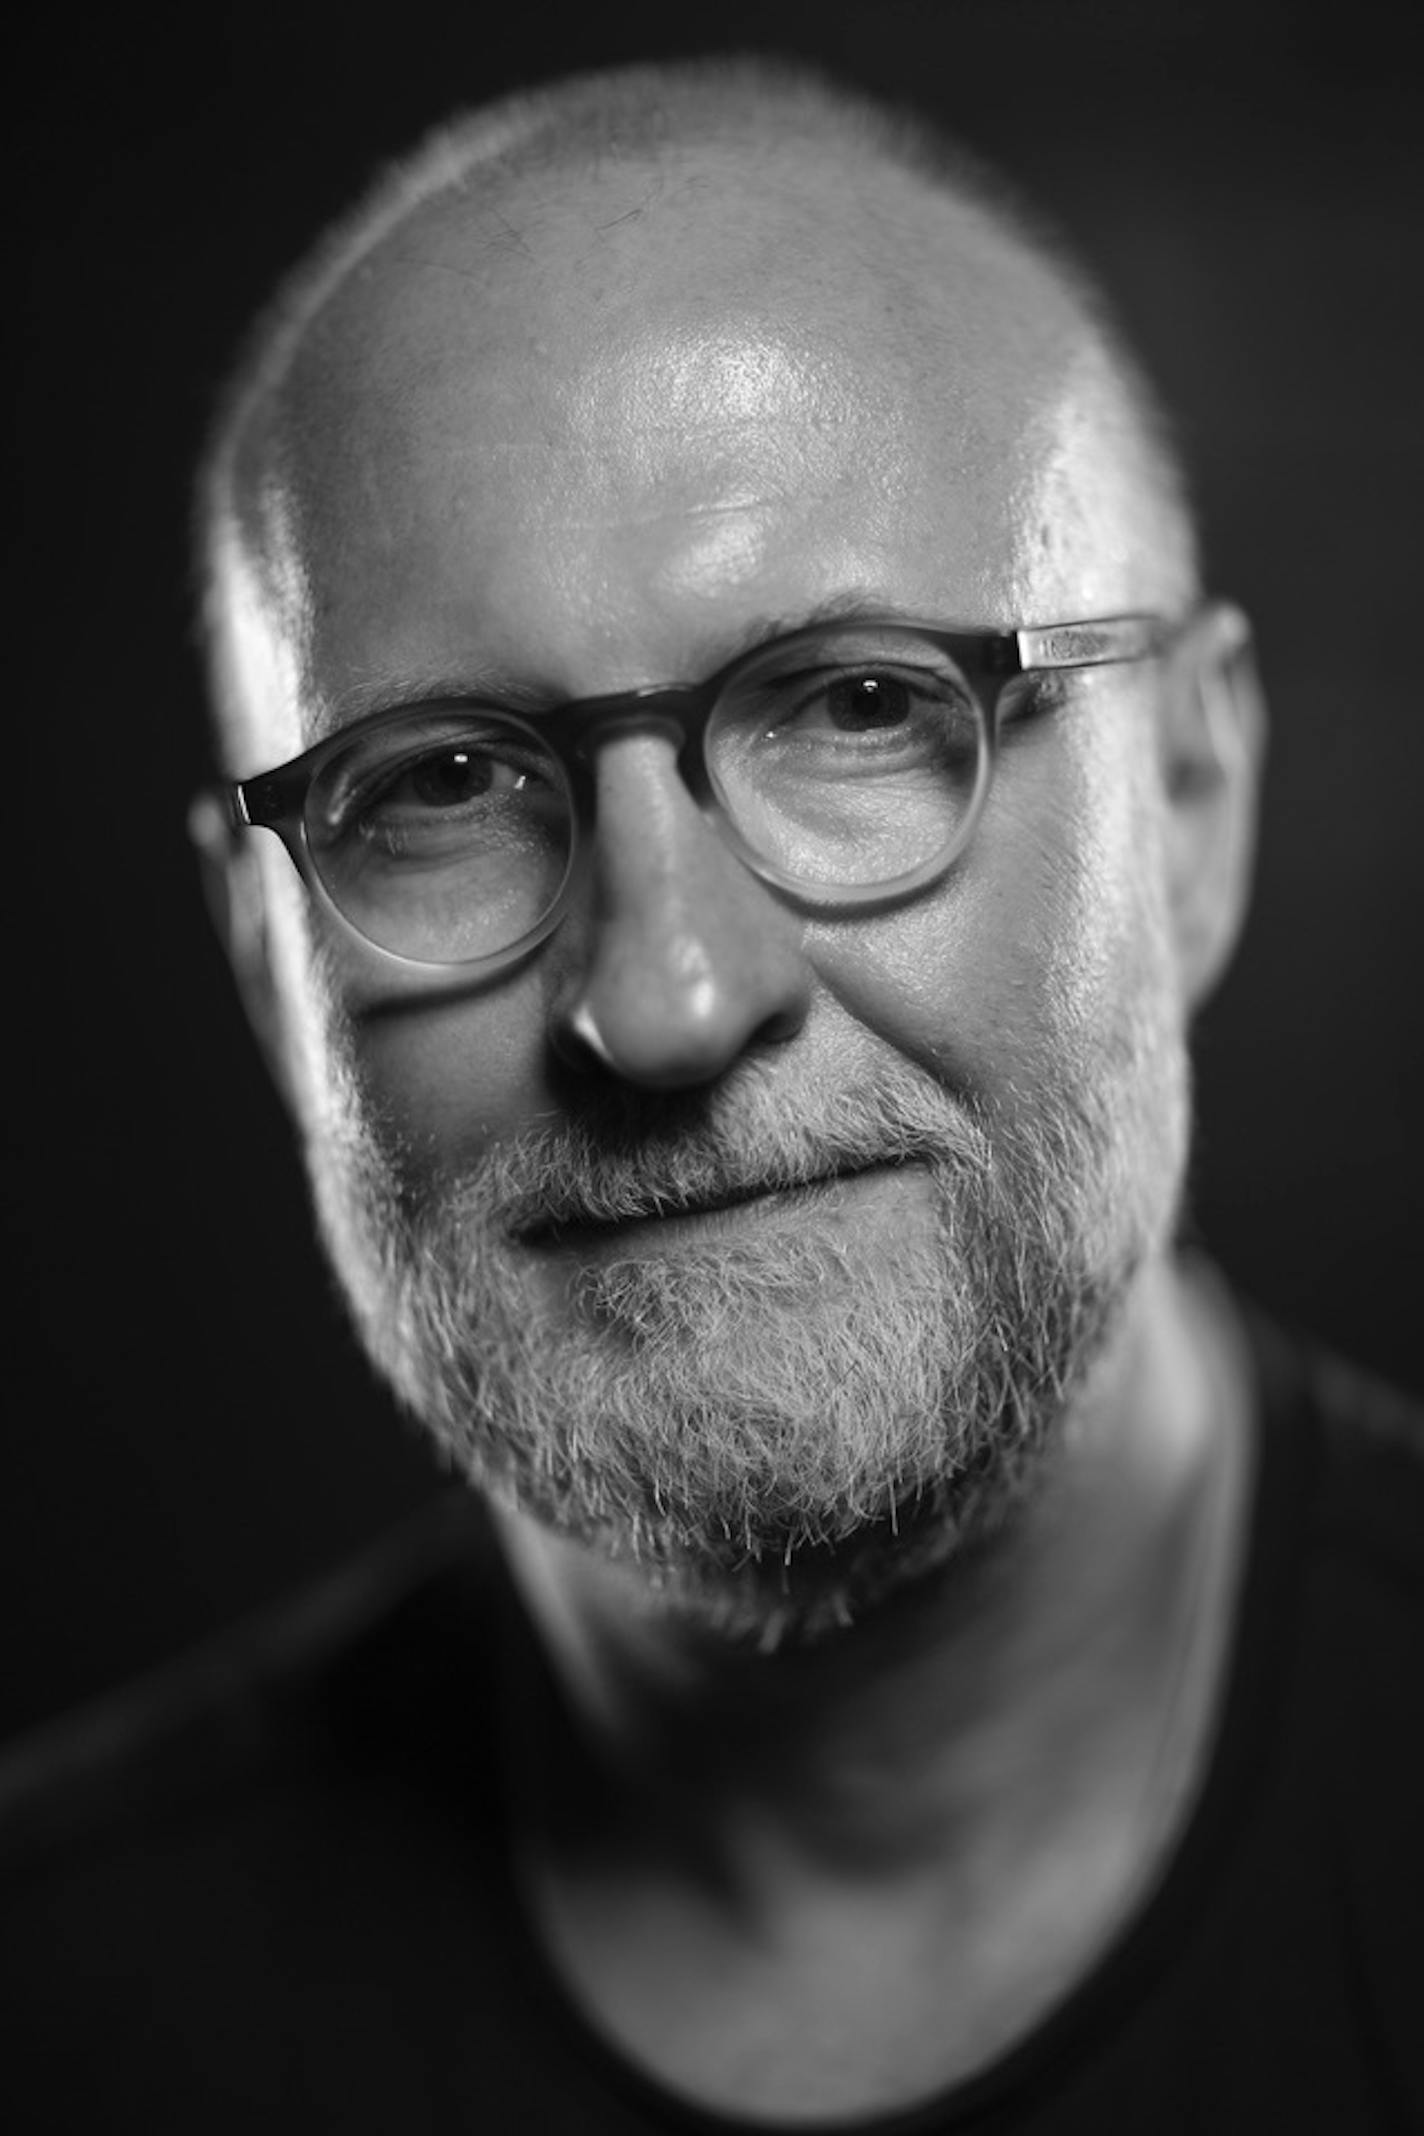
<point x="666" y="303"/>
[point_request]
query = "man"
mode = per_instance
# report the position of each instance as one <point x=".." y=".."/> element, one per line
<point x="708" y="609"/>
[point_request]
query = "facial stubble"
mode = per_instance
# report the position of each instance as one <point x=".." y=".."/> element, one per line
<point x="775" y="1429"/>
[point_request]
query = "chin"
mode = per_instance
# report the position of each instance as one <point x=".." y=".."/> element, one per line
<point x="815" y="1594"/>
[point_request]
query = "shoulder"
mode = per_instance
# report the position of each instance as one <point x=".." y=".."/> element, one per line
<point x="273" y="1874"/>
<point x="1335" y="1593"/>
<point x="349" y="1684"/>
<point x="1328" y="1713"/>
<point x="272" y="1884"/>
<point x="1354" y="1446"/>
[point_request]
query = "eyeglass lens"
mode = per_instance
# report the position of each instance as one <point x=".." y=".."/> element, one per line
<point x="846" y="760"/>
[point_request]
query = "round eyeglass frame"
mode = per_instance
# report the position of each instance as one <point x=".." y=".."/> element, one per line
<point x="989" y="660"/>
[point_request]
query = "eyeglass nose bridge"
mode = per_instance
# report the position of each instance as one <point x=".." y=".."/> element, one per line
<point x="679" y="711"/>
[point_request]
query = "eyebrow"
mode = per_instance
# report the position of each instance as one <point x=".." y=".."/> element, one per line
<point x="395" y="689"/>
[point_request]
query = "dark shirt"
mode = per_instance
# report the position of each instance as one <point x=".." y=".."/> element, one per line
<point x="272" y="1890"/>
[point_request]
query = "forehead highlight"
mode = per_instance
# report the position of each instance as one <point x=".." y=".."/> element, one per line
<point x="724" y="299"/>
<point x="932" y="288"/>
<point x="520" y="266"/>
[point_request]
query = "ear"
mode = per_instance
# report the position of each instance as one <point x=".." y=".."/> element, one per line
<point x="236" y="894"/>
<point x="1212" y="735"/>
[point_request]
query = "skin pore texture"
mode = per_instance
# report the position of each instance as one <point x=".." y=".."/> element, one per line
<point x="882" y="1532"/>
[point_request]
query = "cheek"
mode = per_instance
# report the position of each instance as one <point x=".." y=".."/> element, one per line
<point x="1092" y="921"/>
<point x="441" y="1072"/>
<point x="1036" y="958"/>
<point x="445" y="1079"/>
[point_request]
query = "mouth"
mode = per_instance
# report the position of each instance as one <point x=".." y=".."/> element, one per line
<point x="588" y="1234"/>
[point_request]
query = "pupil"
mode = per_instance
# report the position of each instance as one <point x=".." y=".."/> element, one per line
<point x="868" y="701"/>
<point x="450" y="778"/>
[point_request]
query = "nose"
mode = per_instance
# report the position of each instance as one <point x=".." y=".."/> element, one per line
<point x="681" y="960"/>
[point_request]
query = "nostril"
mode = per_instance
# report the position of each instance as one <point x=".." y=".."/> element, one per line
<point x="583" y="1027"/>
<point x="579" y="1044"/>
<point x="782" y="1024"/>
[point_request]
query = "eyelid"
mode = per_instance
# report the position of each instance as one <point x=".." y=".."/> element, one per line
<point x="435" y="698"/>
<point x="410" y="739"/>
<point x="921" y="682"/>
<point x="423" y="722"/>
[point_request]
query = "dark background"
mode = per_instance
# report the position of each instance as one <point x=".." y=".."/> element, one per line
<point x="188" y="1428"/>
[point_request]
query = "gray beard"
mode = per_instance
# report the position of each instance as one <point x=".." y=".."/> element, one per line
<point x="777" y="1430"/>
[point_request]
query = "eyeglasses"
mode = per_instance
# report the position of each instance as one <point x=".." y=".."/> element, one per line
<point x="846" y="764"/>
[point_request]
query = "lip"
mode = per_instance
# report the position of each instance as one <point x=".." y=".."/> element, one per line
<point x="726" y="1214"/>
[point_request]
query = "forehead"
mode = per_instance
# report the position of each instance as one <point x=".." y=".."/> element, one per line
<point x="589" y="425"/>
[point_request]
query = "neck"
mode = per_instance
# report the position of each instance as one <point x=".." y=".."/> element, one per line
<point x="956" y="1710"/>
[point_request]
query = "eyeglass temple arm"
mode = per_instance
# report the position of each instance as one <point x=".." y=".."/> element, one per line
<point x="268" y="800"/>
<point x="1070" y="645"/>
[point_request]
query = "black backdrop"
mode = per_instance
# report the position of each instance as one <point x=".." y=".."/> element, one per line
<point x="188" y="1428"/>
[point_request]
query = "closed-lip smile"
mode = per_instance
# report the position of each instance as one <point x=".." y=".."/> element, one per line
<point x="580" y="1232"/>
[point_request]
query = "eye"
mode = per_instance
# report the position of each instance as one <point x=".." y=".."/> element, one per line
<point x="463" y="790"/>
<point x="877" y="711"/>
<point x="856" y="702"/>
<point x="450" y="778"/>
<point x="420" y="794"/>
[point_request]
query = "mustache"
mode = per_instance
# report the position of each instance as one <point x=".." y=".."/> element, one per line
<point x="628" y="1156"/>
